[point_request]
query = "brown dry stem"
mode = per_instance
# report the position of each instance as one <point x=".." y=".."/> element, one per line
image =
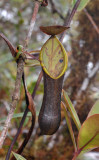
<point x="92" y="21"/>
<point x="15" y="98"/>
<point x="32" y="23"/>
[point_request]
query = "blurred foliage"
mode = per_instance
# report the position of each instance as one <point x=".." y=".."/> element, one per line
<point x="81" y="42"/>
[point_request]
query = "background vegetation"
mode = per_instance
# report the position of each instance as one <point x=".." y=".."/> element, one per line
<point x="81" y="79"/>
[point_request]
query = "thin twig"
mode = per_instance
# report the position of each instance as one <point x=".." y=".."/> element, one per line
<point x="39" y="78"/>
<point x="32" y="125"/>
<point x="37" y="84"/>
<point x="36" y="7"/>
<point x="18" y="132"/>
<point x="22" y="121"/>
<point x="15" y="98"/>
<point x="69" y="18"/>
<point x="32" y="23"/>
<point x="26" y="139"/>
<point x="92" y="21"/>
<point x="20" y="67"/>
<point x="54" y="10"/>
<point x="19" y="151"/>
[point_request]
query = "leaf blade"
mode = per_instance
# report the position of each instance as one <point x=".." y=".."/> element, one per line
<point x="94" y="109"/>
<point x="69" y="125"/>
<point x="71" y="110"/>
<point x="18" y="157"/>
<point x="82" y="4"/>
<point x="88" y="137"/>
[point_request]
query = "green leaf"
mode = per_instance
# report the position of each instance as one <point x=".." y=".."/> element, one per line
<point x="18" y="157"/>
<point x="88" y="137"/>
<point x="69" y="125"/>
<point x="95" y="109"/>
<point x="82" y="4"/>
<point x="72" y="110"/>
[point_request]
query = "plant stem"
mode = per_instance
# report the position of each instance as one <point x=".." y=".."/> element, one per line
<point x="69" y="18"/>
<point x="55" y="10"/>
<point x="33" y="120"/>
<point x="26" y="139"/>
<point x="32" y="23"/>
<point x="18" y="132"/>
<point x="37" y="84"/>
<point x="15" y="98"/>
<point x="91" y="20"/>
<point x="75" y="155"/>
